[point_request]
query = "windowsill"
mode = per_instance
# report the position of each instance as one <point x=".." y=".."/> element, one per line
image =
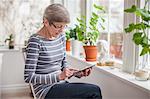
<point x="118" y="74"/>
<point x="9" y="50"/>
<point x="126" y="77"/>
<point x="6" y="49"/>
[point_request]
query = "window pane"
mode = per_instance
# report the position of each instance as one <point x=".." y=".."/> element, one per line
<point x="113" y="32"/>
<point x="58" y="1"/>
<point x="21" y="17"/>
<point x="74" y="8"/>
<point x="144" y="61"/>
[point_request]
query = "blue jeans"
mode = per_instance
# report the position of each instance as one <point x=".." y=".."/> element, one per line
<point x="74" y="91"/>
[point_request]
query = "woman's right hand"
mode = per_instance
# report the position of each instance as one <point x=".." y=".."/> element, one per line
<point x="65" y="73"/>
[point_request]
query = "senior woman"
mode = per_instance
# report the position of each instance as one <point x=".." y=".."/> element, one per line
<point x="46" y="66"/>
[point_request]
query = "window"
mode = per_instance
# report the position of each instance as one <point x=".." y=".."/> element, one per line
<point x="13" y="18"/>
<point x="24" y="23"/>
<point x="113" y="32"/>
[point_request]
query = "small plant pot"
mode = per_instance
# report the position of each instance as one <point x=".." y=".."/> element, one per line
<point x="11" y="44"/>
<point x="90" y="53"/>
<point x="68" y="45"/>
<point x="76" y="48"/>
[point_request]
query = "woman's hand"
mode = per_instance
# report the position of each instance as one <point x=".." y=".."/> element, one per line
<point x="87" y="72"/>
<point x="82" y="73"/>
<point x="65" y="73"/>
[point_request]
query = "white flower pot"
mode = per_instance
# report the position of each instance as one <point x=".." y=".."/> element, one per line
<point x="76" y="48"/>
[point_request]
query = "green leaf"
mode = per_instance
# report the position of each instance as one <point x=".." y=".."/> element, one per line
<point x="94" y="15"/>
<point x="144" y="51"/>
<point x="145" y="40"/>
<point x="131" y="10"/>
<point x="67" y="35"/>
<point x="103" y="20"/>
<point x="139" y="26"/>
<point x="130" y="28"/>
<point x="143" y="13"/>
<point x="137" y="38"/>
<point x="99" y="7"/>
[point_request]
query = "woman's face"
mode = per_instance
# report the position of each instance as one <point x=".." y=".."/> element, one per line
<point x="56" y="28"/>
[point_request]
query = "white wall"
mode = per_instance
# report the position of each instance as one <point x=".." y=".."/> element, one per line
<point x="0" y="71"/>
<point x="12" y="71"/>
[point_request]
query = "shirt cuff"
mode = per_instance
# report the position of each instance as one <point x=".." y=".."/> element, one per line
<point x="57" y="77"/>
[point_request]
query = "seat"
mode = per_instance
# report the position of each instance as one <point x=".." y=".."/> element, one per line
<point x="30" y="84"/>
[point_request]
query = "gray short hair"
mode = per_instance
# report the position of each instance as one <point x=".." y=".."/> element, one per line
<point x="56" y="13"/>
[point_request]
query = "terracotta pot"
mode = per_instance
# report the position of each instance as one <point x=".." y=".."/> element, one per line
<point x="90" y="53"/>
<point x="67" y="45"/>
<point x="116" y="50"/>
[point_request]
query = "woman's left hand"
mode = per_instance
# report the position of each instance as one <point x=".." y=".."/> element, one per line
<point x="87" y="72"/>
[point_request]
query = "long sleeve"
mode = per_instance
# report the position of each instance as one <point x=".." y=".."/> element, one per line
<point x="32" y="56"/>
<point x="64" y="61"/>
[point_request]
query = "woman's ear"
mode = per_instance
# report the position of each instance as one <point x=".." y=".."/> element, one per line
<point x="45" y="22"/>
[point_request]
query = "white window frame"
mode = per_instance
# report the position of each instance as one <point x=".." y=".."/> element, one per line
<point x="129" y="48"/>
<point x="129" y="53"/>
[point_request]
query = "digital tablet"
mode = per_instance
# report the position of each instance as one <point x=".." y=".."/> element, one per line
<point x="86" y="68"/>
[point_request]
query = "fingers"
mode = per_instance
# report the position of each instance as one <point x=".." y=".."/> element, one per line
<point x="65" y="74"/>
<point x="79" y="74"/>
<point x="87" y="72"/>
<point x="74" y="70"/>
<point x="68" y="72"/>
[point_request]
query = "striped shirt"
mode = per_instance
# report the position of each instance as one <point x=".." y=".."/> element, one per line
<point x="44" y="61"/>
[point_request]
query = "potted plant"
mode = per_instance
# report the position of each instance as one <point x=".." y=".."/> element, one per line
<point x="10" y="40"/>
<point x="91" y="33"/>
<point x="75" y="42"/>
<point x="68" y="41"/>
<point x="140" y="37"/>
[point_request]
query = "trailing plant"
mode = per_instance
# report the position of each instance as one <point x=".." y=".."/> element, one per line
<point x="139" y="30"/>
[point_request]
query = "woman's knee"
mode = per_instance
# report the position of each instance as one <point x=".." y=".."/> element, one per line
<point x="96" y="91"/>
